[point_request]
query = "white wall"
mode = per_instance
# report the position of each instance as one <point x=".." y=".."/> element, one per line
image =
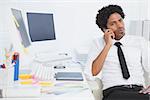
<point x="4" y="34"/>
<point x="2" y="16"/>
<point x="148" y="9"/>
<point x="74" y="20"/>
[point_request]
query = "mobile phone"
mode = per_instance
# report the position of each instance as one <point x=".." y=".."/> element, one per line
<point x="108" y="31"/>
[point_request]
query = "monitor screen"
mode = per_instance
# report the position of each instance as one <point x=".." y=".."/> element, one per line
<point x="41" y="26"/>
<point x="19" y="22"/>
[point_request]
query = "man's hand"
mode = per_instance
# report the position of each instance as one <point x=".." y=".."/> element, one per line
<point x="145" y="90"/>
<point x="108" y="36"/>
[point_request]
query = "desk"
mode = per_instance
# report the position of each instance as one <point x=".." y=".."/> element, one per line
<point x="85" y="94"/>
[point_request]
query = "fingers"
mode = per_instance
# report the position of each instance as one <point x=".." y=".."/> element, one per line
<point x="141" y="91"/>
<point x="110" y="33"/>
<point x="145" y="90"/>
<point x="108" y="36"/>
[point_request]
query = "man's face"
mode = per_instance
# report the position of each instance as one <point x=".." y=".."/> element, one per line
<point x="116" y="24"/>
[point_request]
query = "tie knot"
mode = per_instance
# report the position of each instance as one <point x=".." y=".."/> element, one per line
<point x="117" y="44"/>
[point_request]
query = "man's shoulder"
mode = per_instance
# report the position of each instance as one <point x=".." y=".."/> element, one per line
<point x="133" y="40"/>
<point x="98" y="40"/>
<point x="134" y="37"/>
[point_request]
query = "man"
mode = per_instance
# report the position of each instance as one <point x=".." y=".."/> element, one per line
<point x="118" y="58"/>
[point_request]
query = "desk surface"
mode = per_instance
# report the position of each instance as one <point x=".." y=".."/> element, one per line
<point x="84" y="95"/>
<point x="81" y="94"/>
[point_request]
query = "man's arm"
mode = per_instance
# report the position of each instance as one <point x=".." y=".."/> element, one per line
<point x="99" y="61"/>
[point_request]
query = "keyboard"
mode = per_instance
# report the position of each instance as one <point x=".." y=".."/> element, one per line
<point x="42" y="71"/>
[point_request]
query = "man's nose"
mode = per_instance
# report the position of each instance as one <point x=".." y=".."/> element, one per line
<point x="119" y="24"/>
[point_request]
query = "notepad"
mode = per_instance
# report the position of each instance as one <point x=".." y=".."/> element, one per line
<point x="69" y="76"/>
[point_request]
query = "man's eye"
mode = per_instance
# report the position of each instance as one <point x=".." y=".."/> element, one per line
<point x="112" y="24"/>
<point x="120" y="20"/>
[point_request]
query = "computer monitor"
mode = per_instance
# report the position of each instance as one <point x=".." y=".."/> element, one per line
<point x="19" y="22"/>
<point x="41" y="26"/>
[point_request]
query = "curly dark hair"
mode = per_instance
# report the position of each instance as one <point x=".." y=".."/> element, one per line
<point x="105" y="12"/>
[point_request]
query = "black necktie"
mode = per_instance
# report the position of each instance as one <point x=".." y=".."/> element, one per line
<point x="122" y="61"/>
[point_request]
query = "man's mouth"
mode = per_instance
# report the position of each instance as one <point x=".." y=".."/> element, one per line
<point x="121" y="31"/>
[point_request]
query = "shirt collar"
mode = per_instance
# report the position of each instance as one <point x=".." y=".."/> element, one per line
<point x="122" y="40"/>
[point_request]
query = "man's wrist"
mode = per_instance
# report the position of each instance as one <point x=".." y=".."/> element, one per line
<point x="108" y="45"/>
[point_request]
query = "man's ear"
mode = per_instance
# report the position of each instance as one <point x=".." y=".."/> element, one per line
<point x="104" y="29"/>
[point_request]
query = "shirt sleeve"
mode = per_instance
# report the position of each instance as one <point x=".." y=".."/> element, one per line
<point x="95" y="49"/>
<point x="145" y="46"/>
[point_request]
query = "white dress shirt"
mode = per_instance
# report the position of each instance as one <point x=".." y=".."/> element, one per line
<point x="137" y="54"/>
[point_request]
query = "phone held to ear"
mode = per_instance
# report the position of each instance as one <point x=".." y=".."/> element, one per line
<point x="108" y="31"/>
